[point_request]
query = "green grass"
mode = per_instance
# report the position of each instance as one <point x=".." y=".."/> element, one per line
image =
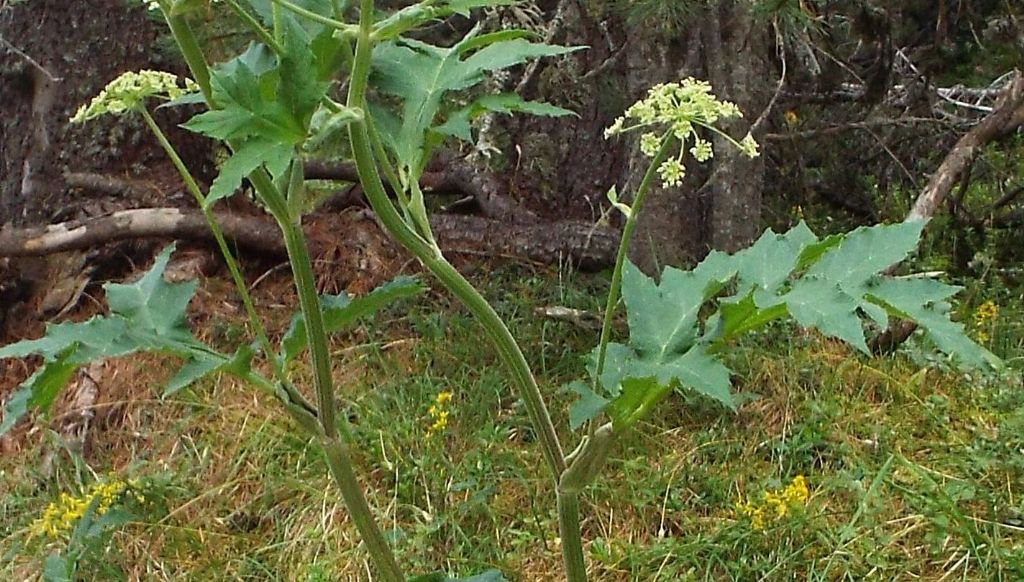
<point x="914" y="475"/>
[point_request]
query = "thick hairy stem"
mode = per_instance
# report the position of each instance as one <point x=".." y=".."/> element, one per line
<point x="585" y="467"/>
<point x="193" y="54"/>
<point x="309" y="303"/>
<point x="340" y="462"/>
<point x="572" y="540"/>
<point x="431" y="258"/>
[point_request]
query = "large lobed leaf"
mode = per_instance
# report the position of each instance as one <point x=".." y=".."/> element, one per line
<point x="420" y="75"/>
<point x="148" y="315"/>
<point x="833" y="285"/>
<point x="266" y="102"/>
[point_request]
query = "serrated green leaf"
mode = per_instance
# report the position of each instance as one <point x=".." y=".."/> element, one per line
<point x="201" y="365"/>
<point x="867" y="251"/>
<point x="925" y="302"/>
<point x="39" y="391"/>
<point x="842" y="285"/>
<point x="246" y="89"/>
<point x="247" y="158"/>
<point x="662" y="353"/>
<point x="341" y="311"/>
<point x="147" y="315"/>
<point x="151" y="304"/>
<point x="823" y="305"/>
<point x="586" y="407"/>
<point x="99" y="335"/>
<point x="458" y="123"/>
<point x="663" y="318"/>
<point x="421" y="74"/>
<point x="302" y="87"/>
<point x="768" y="263"/>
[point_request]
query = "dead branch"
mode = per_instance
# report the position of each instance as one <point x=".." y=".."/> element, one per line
<point x="247" y="231"/>
<point x="581" y="243"/>
<point x="458" y="176"/>
<point x="1005" y="118"/>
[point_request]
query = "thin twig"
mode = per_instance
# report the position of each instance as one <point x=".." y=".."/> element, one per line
<point x="780" y="48"/>
<point x="30" y="60"/>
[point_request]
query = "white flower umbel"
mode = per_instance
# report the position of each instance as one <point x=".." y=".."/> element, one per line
<point x="676" y="111"/>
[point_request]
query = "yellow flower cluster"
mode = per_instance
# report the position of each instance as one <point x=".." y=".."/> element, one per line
<point x="775" y="505"/>
<point x="984" y="315"/>
<point x="62" y="515"/>
<point x="439" y="413"/>
<point x="681" y="108"/>
<point x="129" y="90"/>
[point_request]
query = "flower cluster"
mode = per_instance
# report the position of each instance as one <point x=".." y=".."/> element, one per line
<point x="775" y="505"/>
<point x="62" y="515"/>
<point x="676" y="110"/>
<point x="129" y="90"/>
<point x="984" y="316"/>
<point x="439" y="413"/>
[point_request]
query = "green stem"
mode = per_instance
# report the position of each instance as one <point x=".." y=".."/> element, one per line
<point x="339" y="461"/>
<point x="309" y="303"/>
<point x="385" y="164"/>
<point x="261" y="32"/>
<point x="620" y="258"/>
<point x="330" y="22"/>
<point x="236" y="274"/>
<point x="430" y="256"/>
<point x="275" y="16"/>
<point x="336" y="450"/>
<point x="584" y="469"/>
<point x="192" y="53"/>
<point x="572" y="539"/>
<point x="276" y="204"/>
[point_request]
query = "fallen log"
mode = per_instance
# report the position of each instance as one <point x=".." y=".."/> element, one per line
<point x="583" y="244"/>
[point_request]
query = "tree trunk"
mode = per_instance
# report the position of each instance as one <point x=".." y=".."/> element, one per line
<point x="565" y="167"/>
<point x="55" y="56"/>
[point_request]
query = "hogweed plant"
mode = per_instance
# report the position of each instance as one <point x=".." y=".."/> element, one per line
<point x="278" y="100"/>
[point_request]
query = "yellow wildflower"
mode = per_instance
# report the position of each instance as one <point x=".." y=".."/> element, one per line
<point x="61" y="516"/>
<point x="774" y="505"/>
<point x="986" y="312"/>
<point x="439" y="413"/>
<point x="792" y="119"/>
<point x="985" y="316"/>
